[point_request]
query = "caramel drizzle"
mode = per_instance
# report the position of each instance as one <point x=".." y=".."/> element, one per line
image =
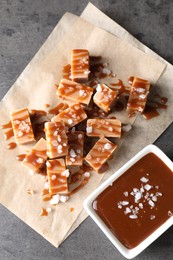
<point x="120" y="88"/>
<point x="20" y="157"/>
<point x="7" y="125"/>
<point x="8" y="134"/>
<point x="43" y="212"/>
<point x="66" y="72"/>
<point x="11" y="146"/>
<point x="59" y="108"/>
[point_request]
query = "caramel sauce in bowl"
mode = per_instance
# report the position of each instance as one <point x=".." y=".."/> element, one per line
<point x="134" y="206"/>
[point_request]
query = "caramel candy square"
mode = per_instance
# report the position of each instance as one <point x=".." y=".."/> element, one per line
<point x="79" y="65"/>
<point x="138" y="95"/>
<point x="36" y="158"/>
<point x="57" y="145"/>
<point x="75" y="151"/>
<point x="71" y="116"/>
<point x="75" y="92"/>
<point x="100" y="153"/>
<point x="22" y="127"/>
<point x="57" y="176"/>
<point x="104" y="97"/>
<point x="104" y="127"/>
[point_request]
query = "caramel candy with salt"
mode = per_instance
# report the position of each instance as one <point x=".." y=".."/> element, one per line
<point x="22" y="127"/>
<point x="79" y="65"/>
<point x="71" y="116"/>
<point x="104" y="97"/>
<point x="57" y="176"/>
<point x="75" y="92"/>
<point x="100" y="153"/>
<point x="36" y="158"/>
<point x="103" y="127"/>
<point x="75" y="152"/>
<point x="56" y="137"/>
<point x="138" y="95"/>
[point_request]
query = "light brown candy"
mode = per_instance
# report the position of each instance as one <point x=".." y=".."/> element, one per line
<point x="75" y="92"/>
<point x="75" y="152"/>
<point x="22" y="127"/>
<point x="138" y="95"/>
<point x="100" y="153"/>
<point x="71" y="116"/>
<point x="57" y="145"/>
<point x="79" y="65"/>
<point x="104" y="127"/>
<point x="36" y="158"/>
<point x="104" y="97"/>
<point x="57" y="176"/>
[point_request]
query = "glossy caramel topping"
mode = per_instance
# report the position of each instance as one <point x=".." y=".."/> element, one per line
<point x="57" y="176"/>
<point x="138" y="95"/>
<point x="104" y="97"/>
<point x="79" y="65"/>
<point x="59" y="108"/>
<point x="66" y="72"/>
<point x="138" y="202"/>
<point x="120" y="88"/>
<point x="71" y="116"/>
<point x="75" y="151"/>
<point x="56" y="137"/>
<point x="100" y="153"/>
<point x="103" y="127"/>
<point x="22" y="126"/>
<point x="11" y="146"/>
<point x="75" y="92"/>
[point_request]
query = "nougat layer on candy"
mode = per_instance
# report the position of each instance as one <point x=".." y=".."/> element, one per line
<point x="75" y="92"/>
<point x="104" y="97"/>
<point x="100" y="153"/>
<point x="36" y="158"/>
<point x="75" y="151"/>
<point x="57" y="144"/>
<point x="138" y="95"/>
<point x="104" y="127"/>
<point x="79" y="65"/>
<point x="57" y="176"/>
<point x="22" y="126"/>
<point x="71" y="116"/>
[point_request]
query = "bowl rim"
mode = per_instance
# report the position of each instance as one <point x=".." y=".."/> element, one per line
<point x="128" y="253"/>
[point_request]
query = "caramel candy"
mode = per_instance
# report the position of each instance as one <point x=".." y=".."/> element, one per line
<point x="104" y="97"/>
<point x="35" y="159"/>
<point x="75" y="152"/>
<point x="73" y="91"/>
<point x="138" y="95"/>
<point x="57" y="176"/>
<point x="103" y="127"/>
<point x="22" y="127"/>
<point x="100" y="153"/>
<point x="71" y="116"/>
<point x="56" y="139"/>
<point x="79" y="65"/>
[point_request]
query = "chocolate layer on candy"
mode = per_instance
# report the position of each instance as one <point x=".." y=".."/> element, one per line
<point x="57" y="145"/>
<point x="100" y="153"/>
<point x="103" y="127"/>
<point x="71" y="116"/>
<point x="36" y="158"/>
<point x="138" y="95"/>
<point x="104" y="97"/>
<point x="22" y="127"/>
<point x="75" y="152"/>
<point x="75" y="92"/>
<point x="57" y="176"/>
<point x="79" y="65"/>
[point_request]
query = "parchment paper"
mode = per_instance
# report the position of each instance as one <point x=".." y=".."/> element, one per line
<point x="34" y="88"/>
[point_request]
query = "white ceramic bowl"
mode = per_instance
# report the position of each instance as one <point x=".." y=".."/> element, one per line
<point x="128" y="253"/>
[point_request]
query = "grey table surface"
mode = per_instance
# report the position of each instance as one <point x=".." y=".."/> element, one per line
<point x="24" y="26"/>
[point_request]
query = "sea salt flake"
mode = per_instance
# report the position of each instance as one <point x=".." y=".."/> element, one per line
<point x="143" y="179"/>
<point x="81" y="92"/>
<point x="89" y="129"/>
<point x="53" y="177"/>
<point x="87" y="174"/>
<point x="72" y="153"/>
<point x="126" y="193"/>
<point x="127" y="210"/>
<point x="46" y="185"/>
<point x="154" y="198"/>
<point x="99" y="89"/>
<point x="64" y="198"/>
<point x="70" y="121"/>
<point x="152" y="217"/>
<point x="124" y="203"/>
<point x="147" y="187"/>
<point x="48" y="210"/>
<point x="55" y="199"/>
<point x="138" y="195"/>
<point x="107" y="146"/>
<point x="158" y="194"/>
<point x="110" y="129"/>
<point x="80" y="136"/>
<point x="141" y="205"/>
<point x="65" y="173"/>
<point x="151" y="203"/>
<point x="40" y="160"/>
<point x="133" y="216"/>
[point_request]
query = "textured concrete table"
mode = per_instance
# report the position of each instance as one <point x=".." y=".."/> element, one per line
<point x="24" y="26"/>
